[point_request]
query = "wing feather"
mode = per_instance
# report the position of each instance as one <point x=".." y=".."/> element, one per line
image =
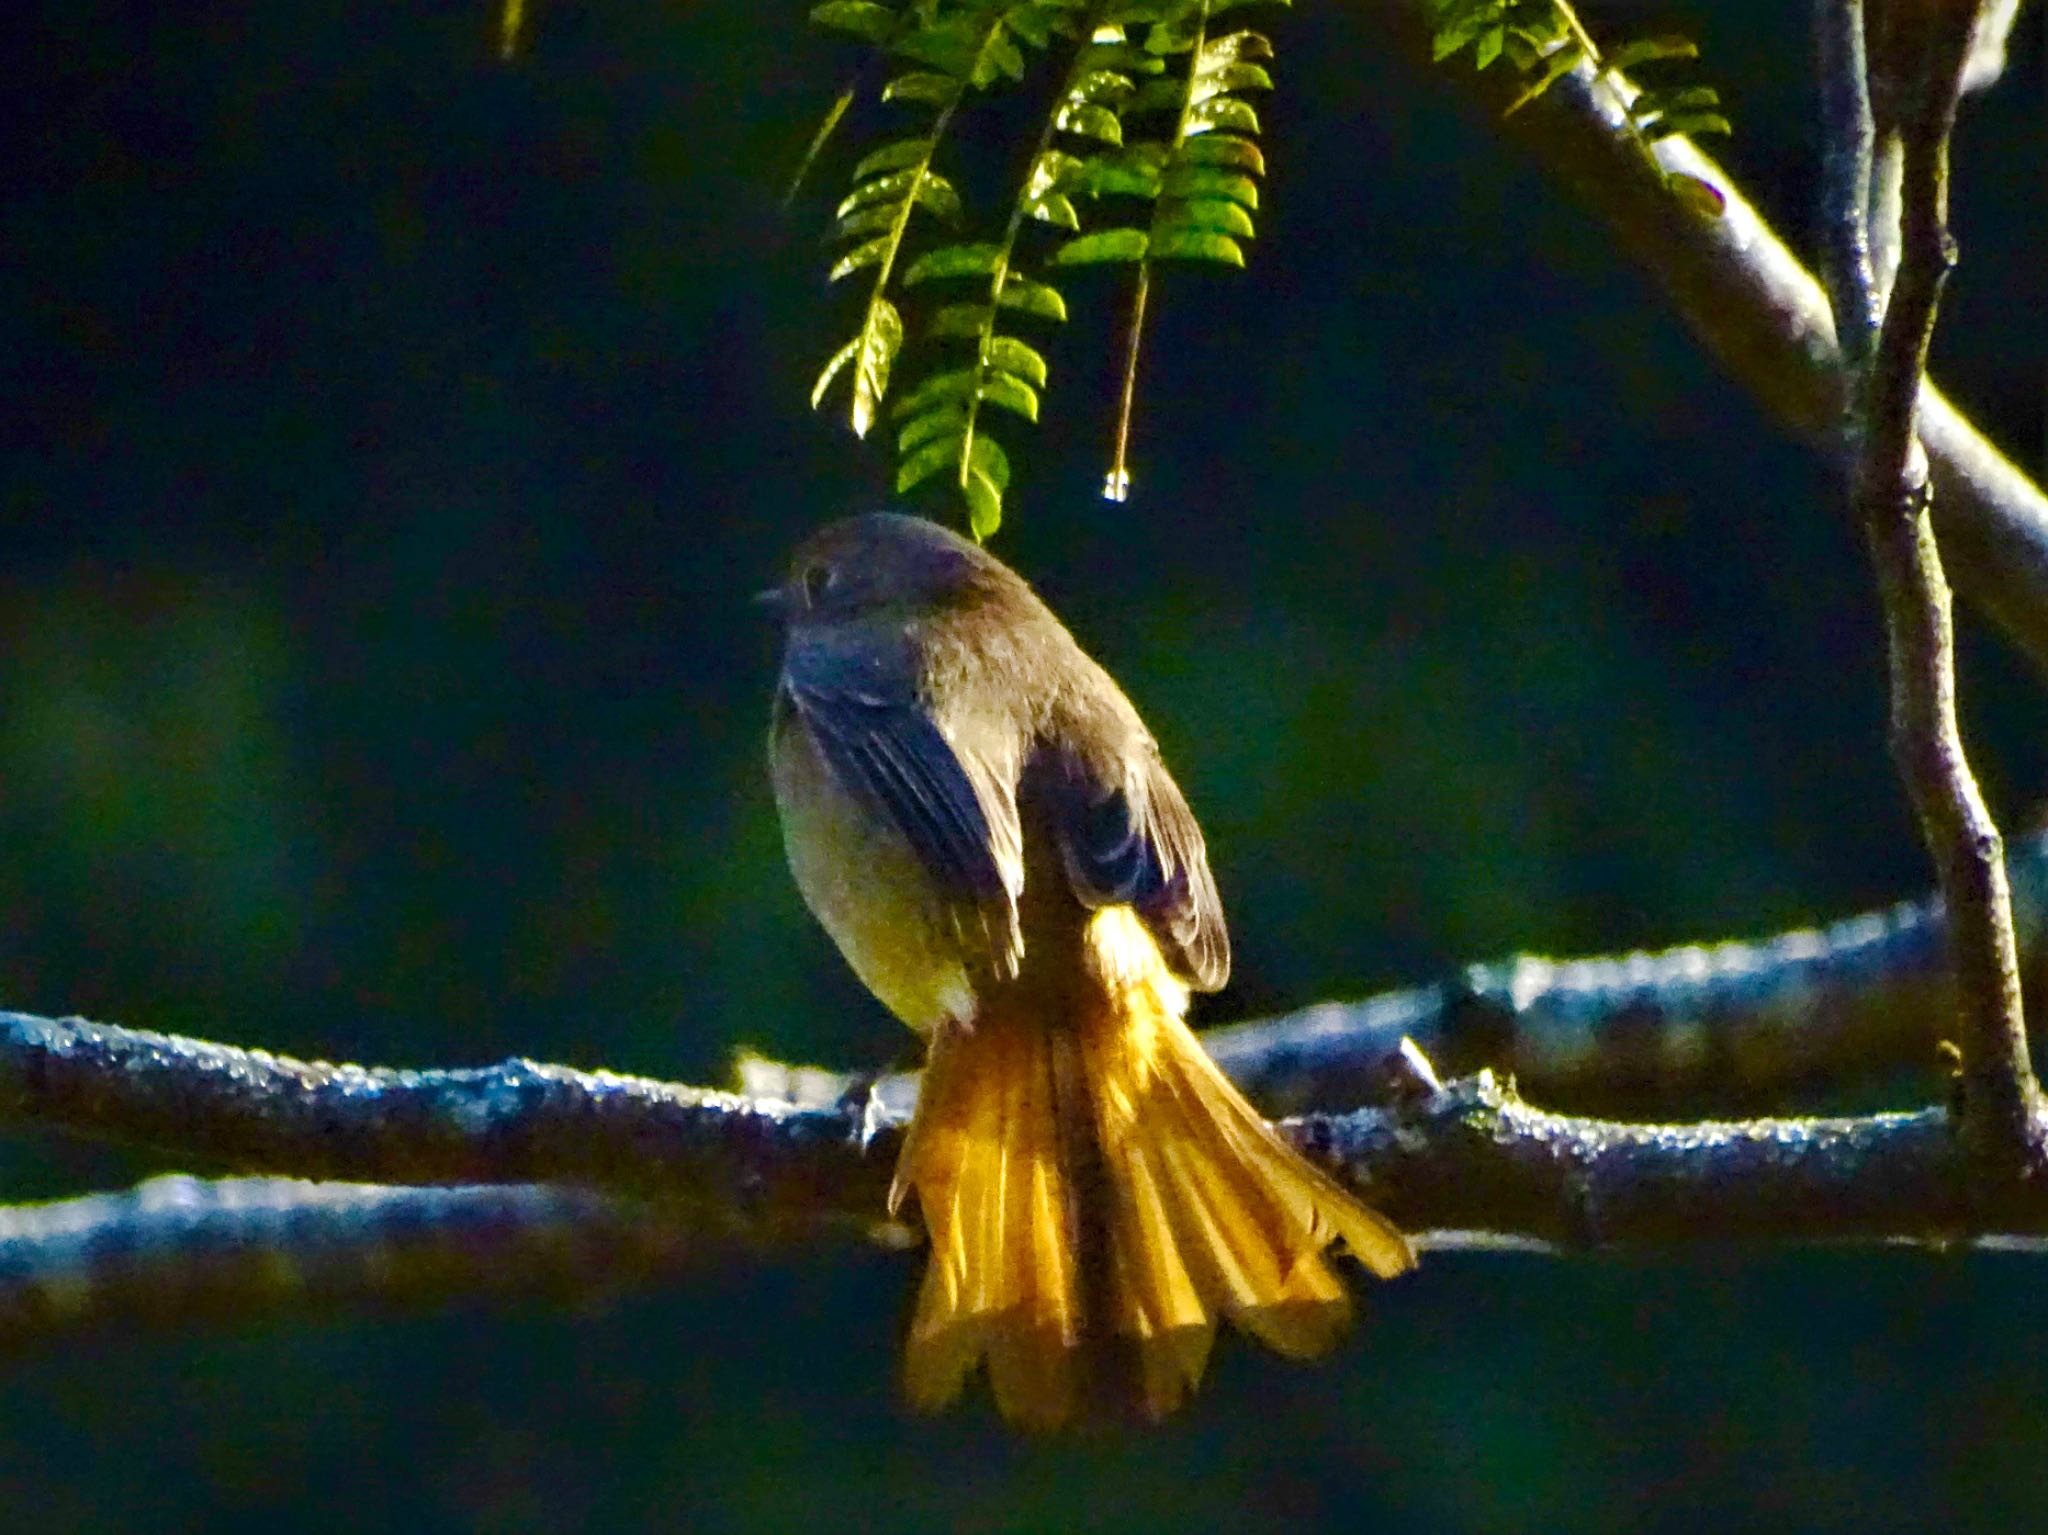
<point x="956" y="814"/>
<point x="1128" y="838"/>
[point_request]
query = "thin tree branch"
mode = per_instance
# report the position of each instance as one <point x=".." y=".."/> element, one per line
<point x="1758" y="311"/>
<point x="1847" y="160"/>
<point x="516" y="1122"/>
<point x="750" y="1167"/>
<point x="178" y="1251"/>
<point x="2002" y="1121"/>
<point x="1470" y="1165"/>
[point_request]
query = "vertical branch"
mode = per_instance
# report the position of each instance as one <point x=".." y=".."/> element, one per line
<point x="1845" y="148"/>
<point x="1884" y="339"/>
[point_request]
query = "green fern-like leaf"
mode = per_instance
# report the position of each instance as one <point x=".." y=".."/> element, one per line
<point x="1204" y="209"/>
<point x="944" y="422"/>
<point x="966" y="44"/>
<point x="1544" y="40"/>
<point x="963" y="297"/>
<point x="871" y="221"/>
<point x="872" y="354"/>
<point x="1692" y="110"/>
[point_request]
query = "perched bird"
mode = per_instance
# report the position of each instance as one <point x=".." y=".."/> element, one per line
<point x="980" y="820"/>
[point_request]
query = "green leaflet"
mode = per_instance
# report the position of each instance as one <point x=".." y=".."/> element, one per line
<point x="831" y="370"/>
<point x="948" y="420"/>
<point x="892" y="157"/>
<point x="1196" y="245"/>
<point x="984" y="498"/>
<point x="872" y="354"/>
<point x="1176" y="34"/>
<point x="1031" y="297"/>
<point x="1217" y="213"/>
<point x="1090" y="121"/>
<point x="936" y="195"/>
<point x="998" y="56"/>
<point x="869" y="22"/>
<point x="928" y="460"/>
<point x="867" y="254"/>
<point x="1644" y="50"/>
<point x="1226" y="150"/>
<point x="961" y="322"/>
<point x="1157" y="96"/>
<point x="1014" y="356"/>
<point x="940" y="389"/>
<point x="866" y="222"/>
<point x="1102" y="86"/>
<point x="1125" y="59"/>
<point x="1038" y="23"/>
<point x="1220" y="53"/>
<point x="932" y="191"/>
<point x="891" y="188"/>
<point x="951" y="47"/>
<point x="1010" y="392"/>
<point x="1055" y="208"/>
<point x="1458" y="23"/>
<point x="954" y="261"/>
<point x="1134" y="173"/>
<point x="818" y="142"/>
<point x="1233" y="77"/>
<point x="1562" y="60"/>
<point x="1225" y="112"/>
<point x="1053" y="169"/>
<point x="1104" y="245"/>
<point x="1694" y="110"/>
<point x="921" y="85"/>
<point x="1210" y="181"/>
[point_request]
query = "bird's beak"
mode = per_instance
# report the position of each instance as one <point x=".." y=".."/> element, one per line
<point x="775" y="599"/>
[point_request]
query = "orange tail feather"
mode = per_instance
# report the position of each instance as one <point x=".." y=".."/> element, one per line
<point x="1098" y="1194"/>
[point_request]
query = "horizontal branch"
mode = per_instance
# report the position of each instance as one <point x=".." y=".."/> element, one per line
<point x="1473" y="1155"/>
<point x="177" y="1251"/>
<point x="1469" y="1165"/>
<point x="571" y="1183"/>
<point x="743" y="1163"/>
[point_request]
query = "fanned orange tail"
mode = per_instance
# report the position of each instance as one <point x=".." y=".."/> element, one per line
<point x="1097" y="1194"/>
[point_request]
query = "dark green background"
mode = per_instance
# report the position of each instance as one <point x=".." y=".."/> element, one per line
<point x="389" y="441"/>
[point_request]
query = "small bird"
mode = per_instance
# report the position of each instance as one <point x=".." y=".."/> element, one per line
<point x="979" y="819"/>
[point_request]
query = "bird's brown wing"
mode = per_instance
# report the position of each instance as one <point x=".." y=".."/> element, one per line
<point x="1128" y="838"/>
<point x="956" y="814"/>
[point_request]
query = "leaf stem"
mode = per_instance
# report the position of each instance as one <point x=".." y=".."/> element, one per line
<point x="1118" y="486"/>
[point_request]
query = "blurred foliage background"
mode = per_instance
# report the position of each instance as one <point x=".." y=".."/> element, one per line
<point x="391" y="440"/>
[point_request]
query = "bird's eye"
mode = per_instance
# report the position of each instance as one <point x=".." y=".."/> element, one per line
<point x="820" y="582"/>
